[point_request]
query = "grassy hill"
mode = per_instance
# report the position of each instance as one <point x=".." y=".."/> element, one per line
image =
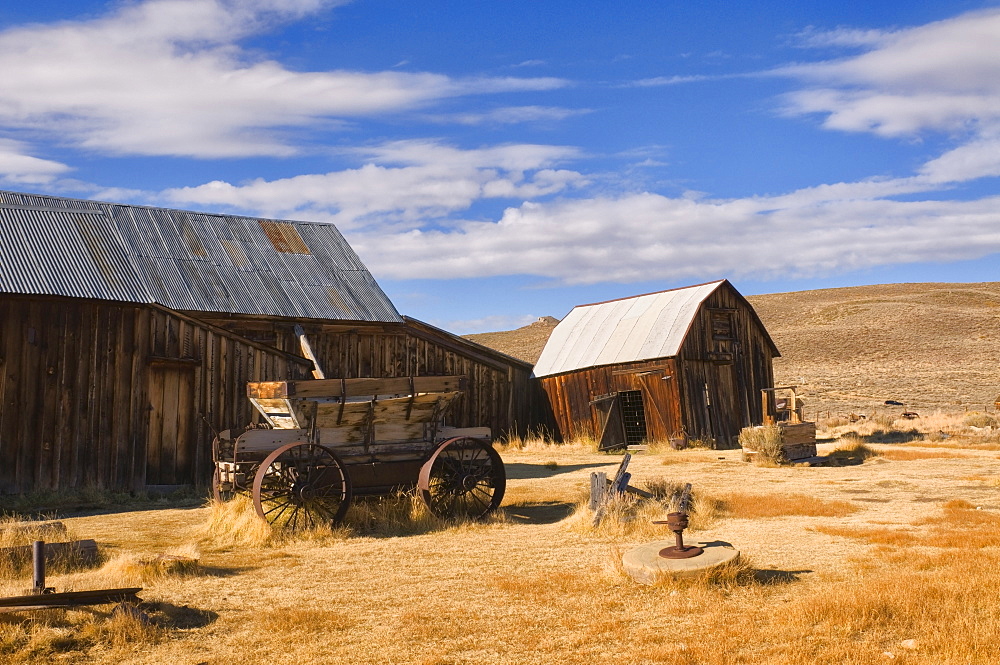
<point x="930" y="346"/>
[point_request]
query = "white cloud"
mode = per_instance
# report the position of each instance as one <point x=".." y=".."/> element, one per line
<point x="812" y="37"/>
<point x="976" y="159"/>
<point x="18" y="167"/>
<point x="403" y="182"/>
<point x="943" y="76"/>
<point x="658" y="81"/>
<point x="648" y="236"/>
<point x="512" y="115"/>
<point x="168" y="77"/>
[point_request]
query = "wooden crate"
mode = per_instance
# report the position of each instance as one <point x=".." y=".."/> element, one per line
<point x="798" y="440"/>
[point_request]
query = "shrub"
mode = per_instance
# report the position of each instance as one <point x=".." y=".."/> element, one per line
<point x="765" y="440"/>
<point x="883" y="420"/>
<point x="979" y="420"/>
<point x="851" y="451"/>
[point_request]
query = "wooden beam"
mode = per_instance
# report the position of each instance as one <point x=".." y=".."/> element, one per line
<point x="308" y="352"/>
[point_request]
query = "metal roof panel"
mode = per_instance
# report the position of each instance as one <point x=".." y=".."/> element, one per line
<point x="184" y="260"/>
<point x="622" y="331"/>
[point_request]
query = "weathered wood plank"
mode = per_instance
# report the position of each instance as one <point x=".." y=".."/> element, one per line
<point x="354" y="387"/>
<point x="69" y="599"/>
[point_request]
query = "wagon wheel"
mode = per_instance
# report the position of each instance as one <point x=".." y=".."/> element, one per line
<point x="463" y="477"/>
<point x="302" y="485"/>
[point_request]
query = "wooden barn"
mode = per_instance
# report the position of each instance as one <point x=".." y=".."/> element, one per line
<point x="677" y="365"/>
<point x="128" y="334"/>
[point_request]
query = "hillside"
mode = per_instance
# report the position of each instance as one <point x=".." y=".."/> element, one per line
<point x="931" y="346"/>
<point x="525" y="343"/>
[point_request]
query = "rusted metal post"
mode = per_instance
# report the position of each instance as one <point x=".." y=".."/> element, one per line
<point x="38" y="562"/>
<point x="677" y="522"/>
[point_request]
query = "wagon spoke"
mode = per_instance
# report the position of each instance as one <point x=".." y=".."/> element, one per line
<point x="310" y="480"/>
<point x="463" y="478"/>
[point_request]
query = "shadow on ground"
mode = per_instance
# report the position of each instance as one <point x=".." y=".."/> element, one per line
<point x="893" y="436"/>
<point x="168" y="615"/>
<point x="521" y="471"/>
<point x="775" y="577"/>
<point x="548" y="512"/>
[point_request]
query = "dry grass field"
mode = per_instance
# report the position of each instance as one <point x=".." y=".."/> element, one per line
<point x="889" y="553"/>
<point x="930" y="346"/>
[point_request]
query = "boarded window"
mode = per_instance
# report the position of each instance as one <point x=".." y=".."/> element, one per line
<point x="722" y="332"/>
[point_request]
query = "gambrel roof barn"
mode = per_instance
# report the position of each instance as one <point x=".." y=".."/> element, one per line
<point x="682" y="364"/>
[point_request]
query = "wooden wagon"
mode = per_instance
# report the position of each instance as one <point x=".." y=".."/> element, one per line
<point x="325" y="441"/>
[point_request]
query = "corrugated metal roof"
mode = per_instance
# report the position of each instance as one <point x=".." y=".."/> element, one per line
<point x="184" y="260"/>
<point x="622" y="331"/>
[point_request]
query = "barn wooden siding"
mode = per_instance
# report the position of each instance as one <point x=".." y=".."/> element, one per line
<point x="571" y="394"/>
<point x="499" y="390"/>
<point x="111" y="395"/>
<point x="724" y="363"/>
<point x="714" y="383"/>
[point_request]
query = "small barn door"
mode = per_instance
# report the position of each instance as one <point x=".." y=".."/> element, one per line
<point x="170" y="437"/>
<point x="661" y="403"/>
<point x="609" y="412"/>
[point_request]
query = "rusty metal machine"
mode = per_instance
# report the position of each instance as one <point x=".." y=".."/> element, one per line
<point x="324" y="441"/>
<point x="677" y="521"/>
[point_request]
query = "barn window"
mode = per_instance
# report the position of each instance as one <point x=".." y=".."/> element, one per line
<point x="634" y="416"/>
<point x="722" y="336"/>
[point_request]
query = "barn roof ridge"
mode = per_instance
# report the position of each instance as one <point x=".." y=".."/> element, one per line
<point x="652" y="293"/>
<point x="184" y="260"/>
<point x="634" y="329"/>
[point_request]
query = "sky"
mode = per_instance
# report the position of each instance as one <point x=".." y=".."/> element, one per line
<point x="495" y="162"/>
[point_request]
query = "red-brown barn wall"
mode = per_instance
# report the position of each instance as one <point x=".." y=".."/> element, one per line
<point x="735" y="370"/>
<point x="734" y="384"/>
<point x="570" y="395"/>
<point x="111" y="395"/>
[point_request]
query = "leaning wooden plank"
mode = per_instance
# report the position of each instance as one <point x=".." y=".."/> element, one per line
<point x="307" y="351"/>
<point x="70" y="599"/>
<point x="633" y="490"/>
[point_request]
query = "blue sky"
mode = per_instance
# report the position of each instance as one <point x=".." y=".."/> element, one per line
<point x="493" y="162"/>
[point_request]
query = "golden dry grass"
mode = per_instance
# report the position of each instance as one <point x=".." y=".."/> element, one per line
<point x="897" y="454"/>
<point x="827" y="576"/>
<point x="755" y="506"/>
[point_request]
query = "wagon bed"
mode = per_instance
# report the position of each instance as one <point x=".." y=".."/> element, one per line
<point x="327" y="440"/>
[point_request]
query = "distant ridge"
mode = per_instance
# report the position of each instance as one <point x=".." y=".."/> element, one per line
<point x="525" y="342"/>
<point x="931" y="346"/>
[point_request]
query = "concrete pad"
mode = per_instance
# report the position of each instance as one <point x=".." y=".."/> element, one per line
<point x="645" y="564"/>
